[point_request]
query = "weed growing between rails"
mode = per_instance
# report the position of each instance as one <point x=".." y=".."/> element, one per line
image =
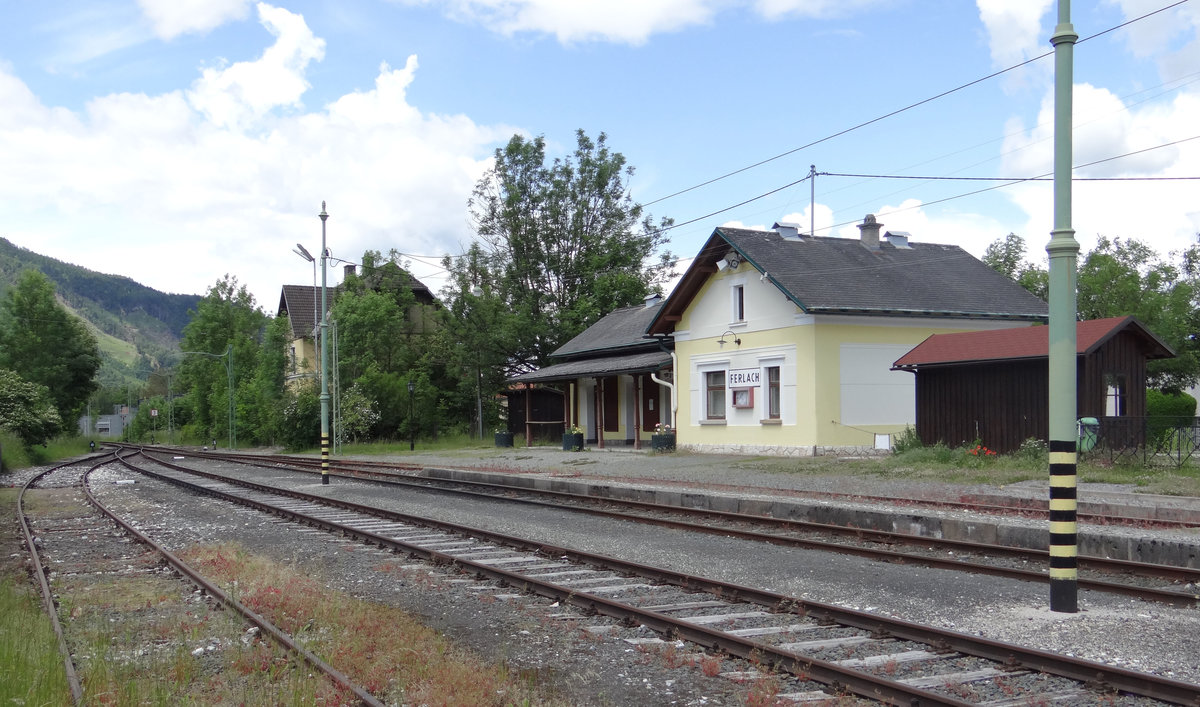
<point x="379" y="647"/>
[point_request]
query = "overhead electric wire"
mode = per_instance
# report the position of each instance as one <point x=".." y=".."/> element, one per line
<point x="905" y="108"/>
<point x="1039" y="177"/>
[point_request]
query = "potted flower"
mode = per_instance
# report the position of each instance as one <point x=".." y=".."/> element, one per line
<point x="663" y="439"/>
<point x="572" y="439"/>
<point x="504" y="438"/>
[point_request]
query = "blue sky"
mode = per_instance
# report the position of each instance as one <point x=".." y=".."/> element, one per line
<point x="175" y="141"/>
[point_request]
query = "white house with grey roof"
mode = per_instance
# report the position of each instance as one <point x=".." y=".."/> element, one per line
<point x="778" y="342"/>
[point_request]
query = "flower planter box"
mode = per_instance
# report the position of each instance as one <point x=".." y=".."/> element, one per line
<point x="504" y="439"/>
<point x="572" y="442"/>
<point x="662" y="443"/>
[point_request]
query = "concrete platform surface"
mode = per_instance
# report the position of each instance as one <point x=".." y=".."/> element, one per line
<point x="921" y="507"/>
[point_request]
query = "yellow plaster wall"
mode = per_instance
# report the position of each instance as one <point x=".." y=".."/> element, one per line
<point x="828" y="393"/>
<point x="817" y="392"/>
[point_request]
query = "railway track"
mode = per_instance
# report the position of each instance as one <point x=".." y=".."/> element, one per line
<point x="75" y="537"/>
<point x="829" y="650"/>
<point x="1137" y="579"/>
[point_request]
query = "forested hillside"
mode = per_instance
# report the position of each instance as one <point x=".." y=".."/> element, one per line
<point x="138" y="327"/>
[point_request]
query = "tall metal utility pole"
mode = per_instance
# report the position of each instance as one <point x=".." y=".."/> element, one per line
<point x="324" y="355"/>
<point x="1063" y="250"/>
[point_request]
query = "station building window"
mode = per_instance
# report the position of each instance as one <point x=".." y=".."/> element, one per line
<point x="714" y="407"/>
<point x="773" y="392"/>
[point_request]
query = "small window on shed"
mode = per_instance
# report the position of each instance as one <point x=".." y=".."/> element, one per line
<point x="1115" y="395"/>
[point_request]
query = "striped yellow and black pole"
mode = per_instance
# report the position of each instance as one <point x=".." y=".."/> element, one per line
<point x="1063" y="250"/>
<point x="1064" y="570"/>
<point x="325" y="458"/>
<point x="324" y="356"/>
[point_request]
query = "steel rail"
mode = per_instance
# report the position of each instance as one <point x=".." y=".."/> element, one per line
<point x="1010" y="655"/>
<point x="265" y="625"/>
<point x="39" y="570"/>
<point x="1169" y="597"/>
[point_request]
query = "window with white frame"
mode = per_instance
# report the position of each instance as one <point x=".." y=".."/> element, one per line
<point x="1114" y="398"/>
<point x="772" y="392"/>
<point x="714" y="398"/>
<point x="738" y="303"/>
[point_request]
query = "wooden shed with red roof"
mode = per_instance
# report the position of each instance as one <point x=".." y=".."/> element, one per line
<point x="994" y="385"/>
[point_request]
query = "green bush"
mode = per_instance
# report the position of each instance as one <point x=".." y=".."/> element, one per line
<point x="13" y="454"/>
<point x="1033" y="450"/>
<point x="1167" y="412"/>
<point x="1160" y="404"/>
<point x="906" y="441"/>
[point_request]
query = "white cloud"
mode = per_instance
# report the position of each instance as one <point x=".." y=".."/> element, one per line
<point x="237" y="95"/>
<point x="170" y="189"/>
<point x="1173" y="36"/>
<point x="626" y="21"/>
<point x="821" y="219"/>
<point x="970" y="231"/>
<point x="171" y="18"/>
<point x="1160" y="213"/>
<point x="1014" y="31"/>
<point x="780" y="9"/>
<point x="1104" y="128"/>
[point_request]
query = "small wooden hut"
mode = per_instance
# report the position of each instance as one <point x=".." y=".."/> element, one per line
<point x="993" y="386"/>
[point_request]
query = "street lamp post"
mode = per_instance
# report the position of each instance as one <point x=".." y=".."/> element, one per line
<point x="412" y="423"/>
<point x="324" y="355"/>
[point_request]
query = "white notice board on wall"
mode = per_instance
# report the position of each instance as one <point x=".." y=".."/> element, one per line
<point x="872" y="393"/>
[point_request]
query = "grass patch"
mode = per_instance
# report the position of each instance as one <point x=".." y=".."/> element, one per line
<point x="31" y="668"/>
<point x="15" y="455"/>
<point x="380" y="647"/>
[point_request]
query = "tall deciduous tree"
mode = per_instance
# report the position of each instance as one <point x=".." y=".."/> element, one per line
<point x="47" y="345"/>
<point x="1126" y="277"/>
<point x="567" y="242"/>
<point x="1007" y="257"/>
<point x="383" y="336"/>
<point x="227" y="315"/>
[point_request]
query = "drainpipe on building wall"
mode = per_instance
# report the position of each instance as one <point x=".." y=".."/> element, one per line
<point x="654" y="377"/>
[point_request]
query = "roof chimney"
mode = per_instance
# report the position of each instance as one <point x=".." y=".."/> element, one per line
<point x="347" y="271"/>
<point x="652" y="299"/>
<point x="870" y="231"/>
<point x="789" y="231"/>
<point x="898" y="239"/>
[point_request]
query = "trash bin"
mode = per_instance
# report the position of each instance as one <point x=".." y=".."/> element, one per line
<point x="1089" y="433"/>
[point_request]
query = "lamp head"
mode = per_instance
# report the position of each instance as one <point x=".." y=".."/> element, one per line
<point x="303" y="253"/>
